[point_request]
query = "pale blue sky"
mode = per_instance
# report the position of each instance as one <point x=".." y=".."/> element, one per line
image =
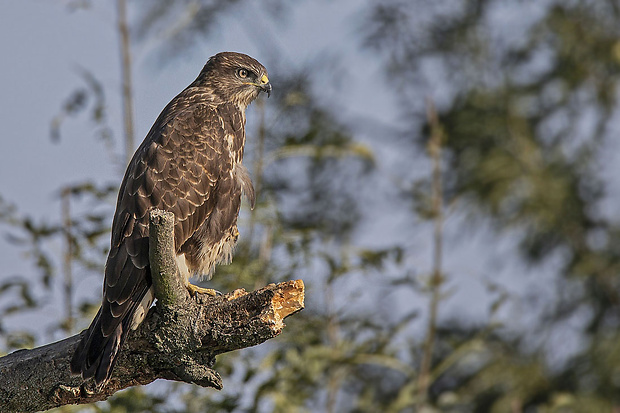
<point x="43" y="44"/>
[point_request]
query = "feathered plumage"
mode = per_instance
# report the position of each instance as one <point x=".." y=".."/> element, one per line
<point x="188" y="164"/>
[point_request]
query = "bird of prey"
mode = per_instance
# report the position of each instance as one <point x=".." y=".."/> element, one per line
<point x="188" y="164"/>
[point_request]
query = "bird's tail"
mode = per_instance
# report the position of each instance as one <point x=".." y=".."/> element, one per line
<point x="96" y="354"/>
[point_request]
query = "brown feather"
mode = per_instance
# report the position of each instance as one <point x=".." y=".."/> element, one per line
<point x="189" y="164"/>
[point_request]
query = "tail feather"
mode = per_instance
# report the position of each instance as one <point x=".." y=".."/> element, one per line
<point x="96" y="354"/>
<point x="108" y="359"/>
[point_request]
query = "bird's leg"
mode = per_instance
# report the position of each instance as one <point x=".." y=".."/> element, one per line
<point x="195" y="290"/>
<point x="184" y="272"/>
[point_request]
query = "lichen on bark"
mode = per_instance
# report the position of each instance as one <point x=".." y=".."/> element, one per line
<point x="178" y="340"/>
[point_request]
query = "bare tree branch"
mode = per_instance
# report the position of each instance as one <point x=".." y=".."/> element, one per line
<point x="123" y="29"/>
<point x="177" y="341"/>
<point x="437" y="279"/>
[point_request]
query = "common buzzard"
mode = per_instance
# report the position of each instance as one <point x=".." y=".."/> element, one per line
<point x="188" y="164"/>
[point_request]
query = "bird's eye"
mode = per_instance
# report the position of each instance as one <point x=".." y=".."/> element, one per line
<point x="242" y="73"/>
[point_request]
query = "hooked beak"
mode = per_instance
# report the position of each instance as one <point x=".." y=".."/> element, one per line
<point x="265" y="86"/>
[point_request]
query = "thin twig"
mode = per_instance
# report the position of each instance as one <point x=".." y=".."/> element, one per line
<point x="258" y="161"/>
<point x="68" y="258"/>
<point x="434" y="147"/>
<point x="127" y="92"/>
<point x="259" y="168"/>
<point x="333" y="335"/>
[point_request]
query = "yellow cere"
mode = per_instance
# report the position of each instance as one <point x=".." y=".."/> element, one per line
<point x="264" y="79"/>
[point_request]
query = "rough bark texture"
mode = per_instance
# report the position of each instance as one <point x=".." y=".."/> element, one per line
<point x="178" y="340"/>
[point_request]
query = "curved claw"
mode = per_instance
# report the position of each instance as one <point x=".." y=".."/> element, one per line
<point x="195" y="290"/>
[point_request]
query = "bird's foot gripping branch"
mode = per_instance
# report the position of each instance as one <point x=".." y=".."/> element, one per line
<point x="178" y="340"/>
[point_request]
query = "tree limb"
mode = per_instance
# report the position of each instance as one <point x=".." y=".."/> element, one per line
<point x="178" y="340"/>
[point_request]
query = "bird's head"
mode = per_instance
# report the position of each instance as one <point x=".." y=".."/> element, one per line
<point x="234" y="77"/>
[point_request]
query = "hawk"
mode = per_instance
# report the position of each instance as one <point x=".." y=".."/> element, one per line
<point x="190" y="164"/>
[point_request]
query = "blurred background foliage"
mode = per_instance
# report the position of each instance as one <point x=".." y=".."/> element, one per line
<point x="508" y="115"/>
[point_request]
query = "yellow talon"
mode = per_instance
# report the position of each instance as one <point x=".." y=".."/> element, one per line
<point x="195" y="290"/>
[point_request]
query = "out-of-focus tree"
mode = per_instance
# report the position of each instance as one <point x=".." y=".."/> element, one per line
<point x="525" y="94"/>
<point x="532" y="92"/>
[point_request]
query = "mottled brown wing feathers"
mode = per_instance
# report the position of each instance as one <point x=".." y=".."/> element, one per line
<point x="176" y="169"/>
<point x="189" y="164"/>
